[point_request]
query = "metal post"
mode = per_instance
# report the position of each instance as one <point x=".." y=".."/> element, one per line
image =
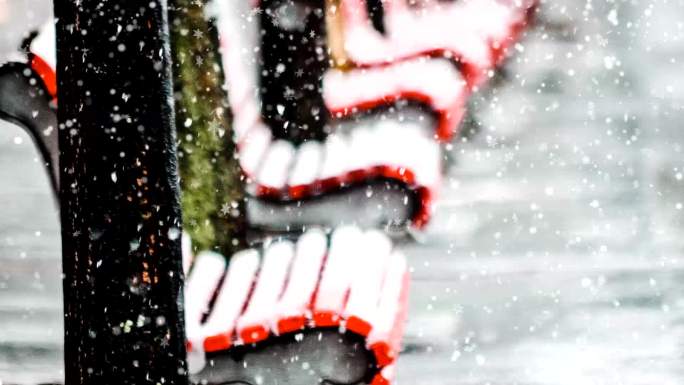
<point x="120" y="207"/>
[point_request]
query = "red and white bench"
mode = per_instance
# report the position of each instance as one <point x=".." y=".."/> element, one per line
<point x="279" y="171"/>
<point x="352" y="280"/>
<point x="468" y="37"/>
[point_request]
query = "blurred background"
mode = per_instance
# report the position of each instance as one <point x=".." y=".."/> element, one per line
<point x="555" y="254"/>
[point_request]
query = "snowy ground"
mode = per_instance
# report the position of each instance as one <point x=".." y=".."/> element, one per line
<point x="555" y="254"/>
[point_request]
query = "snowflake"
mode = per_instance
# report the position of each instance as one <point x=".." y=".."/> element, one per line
<point x="165" y="341"/>
<point x="84" y="52"/>
<point x="216" y="129"/>
<point x="289" y="93"/>
<point x="225" y="209"/>
<point x="197" y="33"/>
<point x="602" y="41"/>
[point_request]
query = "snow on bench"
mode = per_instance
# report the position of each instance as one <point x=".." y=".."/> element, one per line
<point x="352" y="279"/>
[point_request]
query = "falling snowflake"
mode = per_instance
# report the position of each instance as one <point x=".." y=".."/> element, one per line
<point x="289" y="93"/>
<point x="225" y="209"/>
<point x="216" y="129"/>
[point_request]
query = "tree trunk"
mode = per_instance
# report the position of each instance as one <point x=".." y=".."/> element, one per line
<point x="213" y="196"/>
<point x="120" y="208"/>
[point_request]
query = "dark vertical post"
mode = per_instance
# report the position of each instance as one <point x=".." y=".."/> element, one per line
<point x="120" y="207"/>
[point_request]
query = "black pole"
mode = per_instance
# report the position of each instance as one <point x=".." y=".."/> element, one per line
<point x="120" y="207"/>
